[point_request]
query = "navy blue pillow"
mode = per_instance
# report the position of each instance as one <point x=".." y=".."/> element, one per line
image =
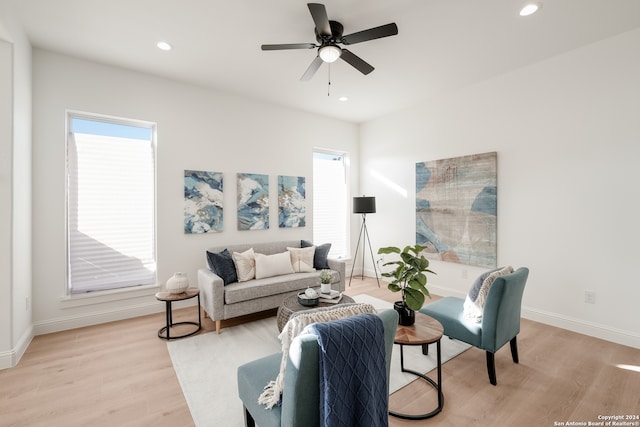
<point x="320" y="257"/>
<point x="222" y="264"/>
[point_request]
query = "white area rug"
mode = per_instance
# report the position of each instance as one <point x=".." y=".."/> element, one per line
<point x="206" y="365"/>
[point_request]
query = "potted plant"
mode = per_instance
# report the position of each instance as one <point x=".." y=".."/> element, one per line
<point x="409" y="278"/>
<point x="325" y="281"/>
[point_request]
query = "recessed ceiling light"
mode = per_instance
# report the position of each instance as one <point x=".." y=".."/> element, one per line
<point x="530" y="9"/>
<point x="164" y="46"/>
<point x="343" y="99"/>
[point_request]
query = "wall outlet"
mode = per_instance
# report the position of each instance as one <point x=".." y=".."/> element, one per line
<point x="27" y="303"/>
<point x="590" y="297"/>
<point x="465" y="273"/>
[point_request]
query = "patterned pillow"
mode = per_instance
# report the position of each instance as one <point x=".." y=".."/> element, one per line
<point x="245" y="265"/>
<point x="272" y="265"/>
<point x="302" y="259"/>
<point x="477" y="296"/>
<point x="321" y="255"/>
<point x="221" y="263"/>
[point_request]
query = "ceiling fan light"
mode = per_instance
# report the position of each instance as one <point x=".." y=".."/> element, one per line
<point x="530" y="9"/>
<point x="330" y="53"/>
<point x="164" y="46"/>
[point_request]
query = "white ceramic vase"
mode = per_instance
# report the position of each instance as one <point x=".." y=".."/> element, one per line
<point x="325" y="288"/>
<point x="178" y="283"/>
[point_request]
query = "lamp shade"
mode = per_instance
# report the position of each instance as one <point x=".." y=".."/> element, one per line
<point x="364" y="205"/>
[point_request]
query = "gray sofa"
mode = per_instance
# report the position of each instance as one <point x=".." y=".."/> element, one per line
<point x="222" y="302"/>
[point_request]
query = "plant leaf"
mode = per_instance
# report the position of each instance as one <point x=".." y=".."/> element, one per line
<point x="393" y="287"/>
<point x="413" y="298"/>
<point x="389" y="250"/>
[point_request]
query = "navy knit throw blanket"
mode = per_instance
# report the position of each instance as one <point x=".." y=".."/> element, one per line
<point x="353" y="372"/>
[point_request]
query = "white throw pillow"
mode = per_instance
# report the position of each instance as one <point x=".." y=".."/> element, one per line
<point x="245" y="265"/>
<point x="473" y="309"/>
<point x="302" y="259"/>
<point x="272" y="265"/>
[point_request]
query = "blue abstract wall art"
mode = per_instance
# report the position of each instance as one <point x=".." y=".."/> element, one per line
<point x="203" y="211"/>
<point x="253" y="201"/>
<point x="291" y="201"/>
<point x="456" y="209"/>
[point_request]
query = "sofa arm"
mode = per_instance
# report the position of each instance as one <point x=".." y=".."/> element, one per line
<point x="340" y="266"/>
<point x="211" y="293"/>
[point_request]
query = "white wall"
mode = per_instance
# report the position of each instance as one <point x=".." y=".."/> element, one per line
<point x="6" y="149"/>
<point x="15" y="189"/>
<point x="197" y="129"/>
<point x="567" y="134"/>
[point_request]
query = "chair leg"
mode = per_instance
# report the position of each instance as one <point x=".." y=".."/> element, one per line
<point x="491" y="368"/>
<point x="248" y="419"/>
<point x="514" y="350"/>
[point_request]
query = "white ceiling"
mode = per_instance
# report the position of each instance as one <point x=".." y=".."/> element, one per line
<point x="441" y="45"/>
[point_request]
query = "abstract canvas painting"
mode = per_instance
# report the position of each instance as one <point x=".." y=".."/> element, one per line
<point x="456" y="209"/>
<point x="203" y="202"/>
<point x="253" y="201"/>
<point x="291" y="201"/>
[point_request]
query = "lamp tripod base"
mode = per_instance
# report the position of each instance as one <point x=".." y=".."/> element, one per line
<point x="364" y="233"/>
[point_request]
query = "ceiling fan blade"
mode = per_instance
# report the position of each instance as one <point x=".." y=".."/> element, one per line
<point x="371" y="34"/>
<point x="319" y="15"/>
<point x="311" y="71"/>
<point x="356" y="62"/>
<point x="288" y="46"/>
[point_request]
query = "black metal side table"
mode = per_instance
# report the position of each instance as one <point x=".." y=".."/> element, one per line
<point x="425" y="331"/>
<point x="168" y="298"/>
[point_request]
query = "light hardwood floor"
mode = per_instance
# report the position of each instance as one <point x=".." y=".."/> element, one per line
<point x="120" y="374"/>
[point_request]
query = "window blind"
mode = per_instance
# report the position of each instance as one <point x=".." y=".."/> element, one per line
<point x="330" y="202"/>
<point x="110" y="213"/>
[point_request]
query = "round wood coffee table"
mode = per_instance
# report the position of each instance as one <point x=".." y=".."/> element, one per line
<point x="291" y="305"/>
<point x="426" y="330"/>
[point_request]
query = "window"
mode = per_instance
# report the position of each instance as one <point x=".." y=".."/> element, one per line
<point x="330" y="196"/>
<point x="110" y="203"/>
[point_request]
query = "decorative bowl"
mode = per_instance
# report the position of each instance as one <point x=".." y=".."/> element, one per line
<point x="303" y="299"/>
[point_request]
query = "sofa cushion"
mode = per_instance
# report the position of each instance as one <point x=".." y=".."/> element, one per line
<point x="245" y="265"/>
<point x="260" y="288"/>
<point x="222" y="264"/>
<point x="474" y="302"/>
<point x="302" y="259"/>
<point x="272" y="265"/>
<point x="321" y="254"/>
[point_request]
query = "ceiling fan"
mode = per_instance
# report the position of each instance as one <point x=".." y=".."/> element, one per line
<point x="329" y="35"/>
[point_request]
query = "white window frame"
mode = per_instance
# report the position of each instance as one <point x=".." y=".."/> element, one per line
<point x="345" y="253"/>
<point x="136" y="289"/>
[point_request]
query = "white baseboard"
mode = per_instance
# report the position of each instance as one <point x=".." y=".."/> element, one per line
<point x="6" y="359"/>
<point x="596" y="330"/>
<point x="97" y="317"/>
<point x="9" y="359"/>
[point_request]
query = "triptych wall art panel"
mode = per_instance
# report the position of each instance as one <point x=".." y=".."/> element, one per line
<point x="203" y="196"/>
<point x="253" y="201"/>
<point x="291" y="201"/>
<point x="203" y="202"/>
<point x="456" y="209"/>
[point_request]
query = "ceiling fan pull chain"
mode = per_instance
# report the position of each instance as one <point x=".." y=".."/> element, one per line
<point x="329" y="82"/>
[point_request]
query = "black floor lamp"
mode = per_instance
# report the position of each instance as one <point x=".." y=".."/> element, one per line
<point x="364" y="205"/>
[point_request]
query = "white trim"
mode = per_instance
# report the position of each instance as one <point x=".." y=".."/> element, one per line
<point x="89" y="298"/>
<point x="9" y="359"/>
<point x="6" y="359"/>
<point x="106" y="316"/>
<point x="619" y="336"/>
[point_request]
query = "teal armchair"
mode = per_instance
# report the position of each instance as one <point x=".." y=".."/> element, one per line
<point x="301" y="396"/>
<point x="500" y="321"/>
